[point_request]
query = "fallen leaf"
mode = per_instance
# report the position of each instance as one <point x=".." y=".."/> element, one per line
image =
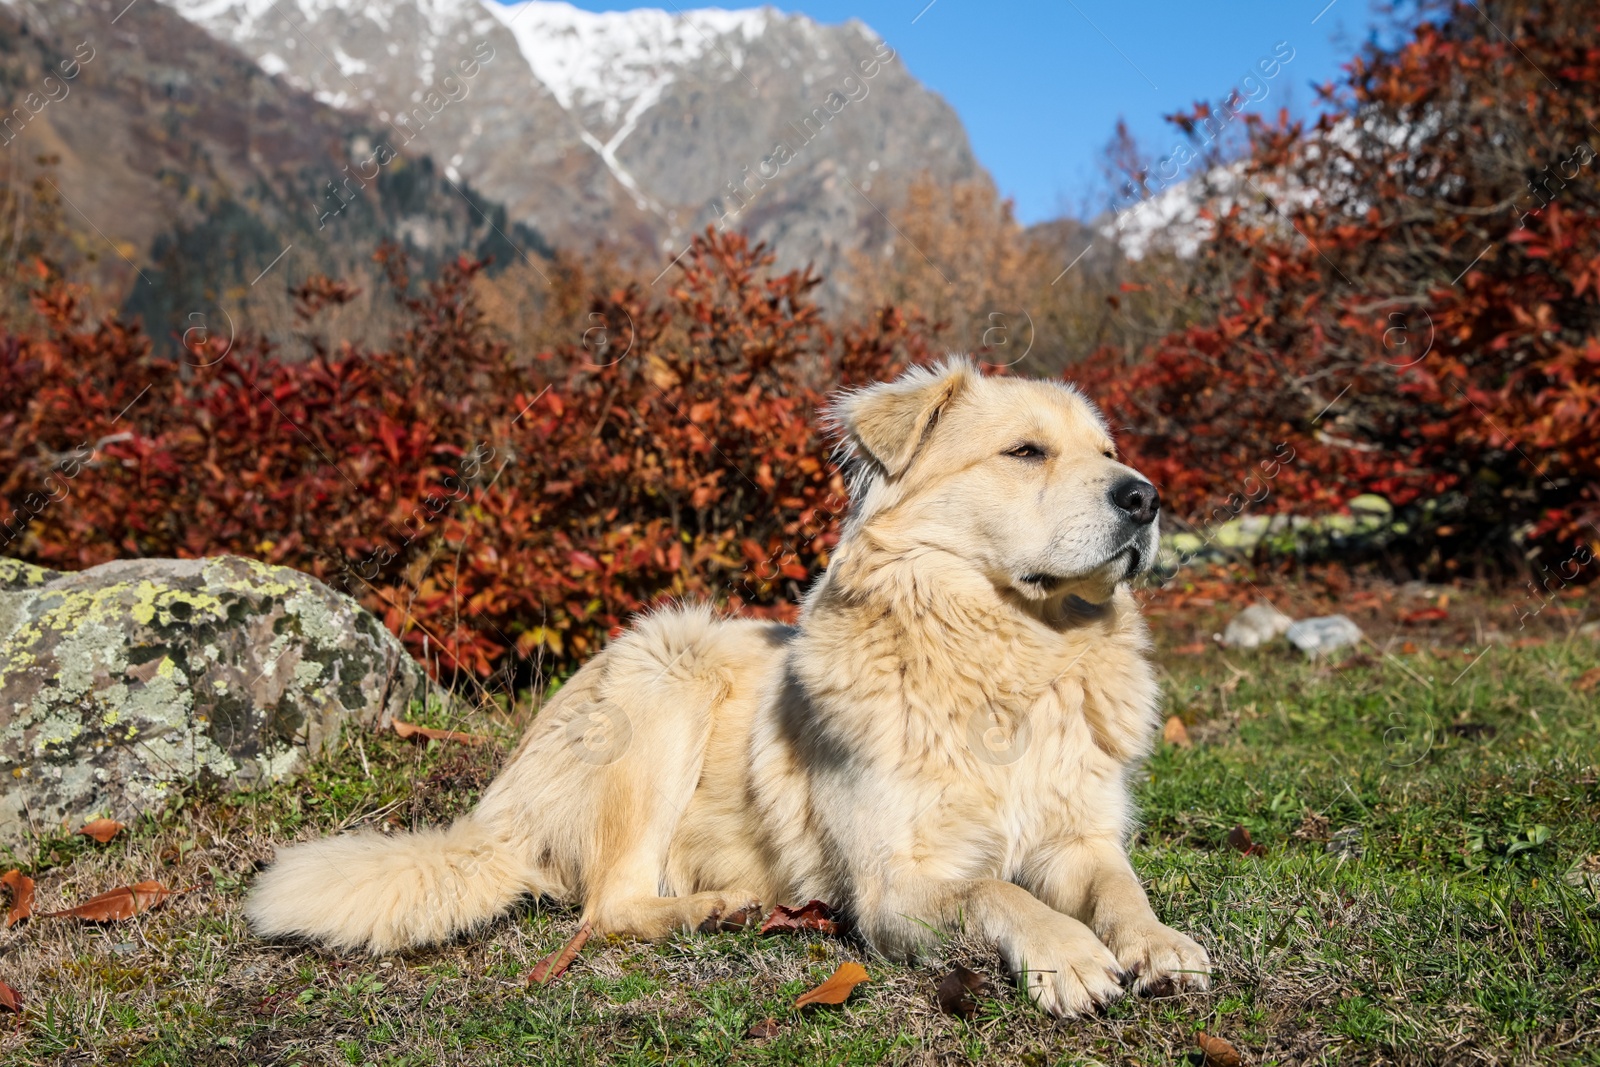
<point x="115" y="905"/>
<point x="837" y="989"/>
<point x="1425" y="615"/>
<point x="102" y="830"/>
<point x="410" y="732"/>
<point x="959" y="991"/>
<point x="764" y="1029"/>
<point x="10" y="999"/>
<point x="555" y="965"/>
<point x="1239" y="839"/>
<point x="1175" y="733"/>
<point x="1217" y="1052"/>
<point x="814" y="915"/>
<point x="1409" y="648"/>
<point x="1588" y="680"/>
<point x="1193" y="648"/>
<point x="21" y="887"/>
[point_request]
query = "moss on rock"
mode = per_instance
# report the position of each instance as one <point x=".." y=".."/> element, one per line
<point x="124" y="682"/>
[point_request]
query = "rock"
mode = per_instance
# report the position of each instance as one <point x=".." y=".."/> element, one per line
<point x="123" y="682"/>
<point x="1371" y="505"/>
<point x="1255" y="626"/>
<point x="1321" y="635"/>
<point x="1185" y="544"/>
<point x="1243" y="534"/>
<point x="1346" y="843"/>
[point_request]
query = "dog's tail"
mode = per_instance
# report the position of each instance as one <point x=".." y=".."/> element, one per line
<point x="384" y="893"/>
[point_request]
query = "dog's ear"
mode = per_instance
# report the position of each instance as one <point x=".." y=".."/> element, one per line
<point x="890" y="421"/>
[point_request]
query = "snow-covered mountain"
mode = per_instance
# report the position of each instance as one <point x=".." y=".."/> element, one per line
<point x="638" y="127"/>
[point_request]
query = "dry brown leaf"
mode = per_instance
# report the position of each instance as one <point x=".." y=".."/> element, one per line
<point x="1589" y="679"/>
<point x="21" y="887"/>
<point x="1217" y="1052"/>
<point x="959" y="991"/>
<point x="554" y="965"/>
<point x="764" y="1029"/>
<point x="1175" y="733"/>
<point x="102" y="830"/>
<point x="410" y="732"/>
<point x="837" y="989"/>
<point x="814" y="915"/>
<point x="115" y="905"/>
<point x="10" y="999"/>
<point x="1425" y="615"/>
<point x="1239" y="838"/>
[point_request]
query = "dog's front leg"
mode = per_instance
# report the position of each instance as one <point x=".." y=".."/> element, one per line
<point x="1093" y="881"/>
<point x="1056" y="958"/>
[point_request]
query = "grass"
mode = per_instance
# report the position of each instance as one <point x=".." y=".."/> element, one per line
<point x="1430" y="894"/>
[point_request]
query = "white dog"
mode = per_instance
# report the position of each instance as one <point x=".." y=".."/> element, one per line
<point x="943" y="741"/>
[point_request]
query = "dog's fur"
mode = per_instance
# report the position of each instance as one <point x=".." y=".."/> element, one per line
<point x="943" y="741"/>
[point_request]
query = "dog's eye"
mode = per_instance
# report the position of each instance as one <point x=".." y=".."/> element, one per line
<point x="1025" y="451"/>
<point x="1109" y="454"/>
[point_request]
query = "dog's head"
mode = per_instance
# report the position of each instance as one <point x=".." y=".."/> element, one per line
<point x="1019" y="478"/>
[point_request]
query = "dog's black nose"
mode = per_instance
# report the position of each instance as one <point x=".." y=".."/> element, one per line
<point x="1138" y="498"/>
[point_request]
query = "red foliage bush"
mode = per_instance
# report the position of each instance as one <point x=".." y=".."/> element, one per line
<point x="496" y="513"/>
<point x="506" y="513"/>
<point x="1405" y="297"/>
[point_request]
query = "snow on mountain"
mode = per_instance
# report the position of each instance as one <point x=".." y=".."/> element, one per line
<point x="634" y="127"/>
<point x="616" y="59"/>
<point x="609" y="68"/>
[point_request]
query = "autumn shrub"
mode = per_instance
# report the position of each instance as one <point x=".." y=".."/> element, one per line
<point x="1400" y="299"/>
<point x="1404" y="297"/>
<point x="500" y="514"/>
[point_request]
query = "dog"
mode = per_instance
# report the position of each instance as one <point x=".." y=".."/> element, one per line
<point x="943" y="742"/>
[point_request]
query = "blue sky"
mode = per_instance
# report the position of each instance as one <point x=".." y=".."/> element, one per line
<point x="1040" y="83"/>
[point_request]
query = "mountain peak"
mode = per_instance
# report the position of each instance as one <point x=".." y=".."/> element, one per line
<point x="617" y="61"/>
<point x="634" y="127"/>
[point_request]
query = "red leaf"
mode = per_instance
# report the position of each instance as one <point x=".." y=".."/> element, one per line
<point x="102" y="830"/>
<point x="1425" y="615"/>
<point x="117" y="904"/>
<point x="814" y="915"/>
<point x="21" y="887"/>
<point x="838" y="987"/>
<point x="1175" y="733"/>
<point x="410" y="732"/>
<point x="1216" y="1051"/>
<point x="555" y="965"/>
<point x="1239" y="839"/>
<point x="959" y="990"/>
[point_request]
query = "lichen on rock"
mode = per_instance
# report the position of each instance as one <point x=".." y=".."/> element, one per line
<point x="124" y="682"/>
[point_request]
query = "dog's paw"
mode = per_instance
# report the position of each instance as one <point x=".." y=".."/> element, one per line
<point x="1162" y="962"/>
<point x="1065" y="969"/>
<point x="733" y="909"/>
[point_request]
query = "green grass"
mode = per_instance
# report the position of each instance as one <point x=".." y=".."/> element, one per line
<point x="1428" y="895"/>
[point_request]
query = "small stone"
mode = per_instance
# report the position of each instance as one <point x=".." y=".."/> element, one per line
<point x="1346" y="842"/>
<point x="1324" y="634"/>
<point x="1255" y="626"/>
<point x="1371" y="504"/>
